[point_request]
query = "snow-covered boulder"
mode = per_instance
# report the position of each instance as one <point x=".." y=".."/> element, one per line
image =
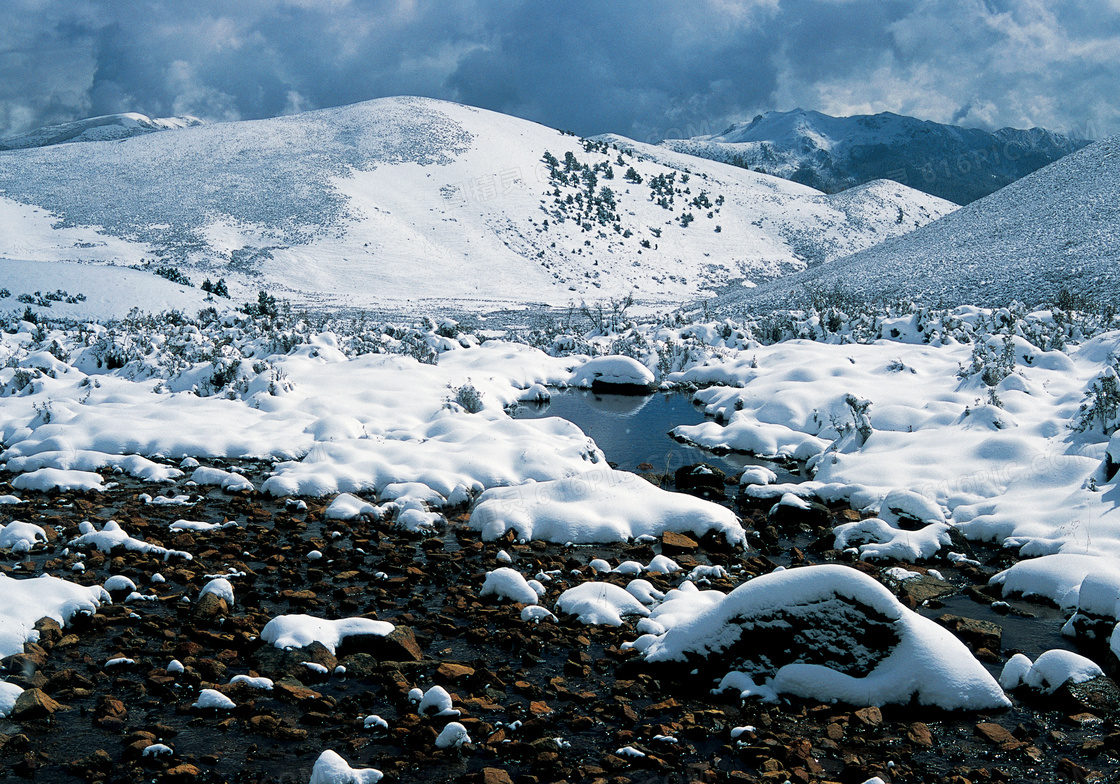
<point x="331" y="768"/>
<point x="1057" y="577"/>
<point x="602" y="505"/>
<point x="347" y="506"/>
<point x="613" y="373"/>
<point x="1050" y="671"/>
<point x="600" y="603"/>
<point x="831" y="633"/>
<point x="26" y="601"/>
<point x="507" y="583"/>
<point x="20" y="537"/>
<point x="299" y="631"/>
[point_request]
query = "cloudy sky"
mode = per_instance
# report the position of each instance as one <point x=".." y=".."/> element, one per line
<point x="648" y="69"/>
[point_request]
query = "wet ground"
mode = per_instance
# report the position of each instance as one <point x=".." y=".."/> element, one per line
<point x="542" y="703"/>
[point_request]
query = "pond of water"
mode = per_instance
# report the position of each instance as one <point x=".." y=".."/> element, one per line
<point x="634" y="429"/>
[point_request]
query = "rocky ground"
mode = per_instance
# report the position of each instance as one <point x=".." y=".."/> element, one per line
<point x="542" y="703"/>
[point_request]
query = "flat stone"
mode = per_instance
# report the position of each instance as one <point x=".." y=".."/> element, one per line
<point x="495" y="776"/>
<point x="920" y="590"/>
<point x="451" y="672"/>
<point x="974" y="633"/>
<point x="998" y="736"/>
<point x="673" y="543"/>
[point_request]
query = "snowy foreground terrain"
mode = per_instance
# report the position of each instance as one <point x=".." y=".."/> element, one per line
<point x="994" y="423"/>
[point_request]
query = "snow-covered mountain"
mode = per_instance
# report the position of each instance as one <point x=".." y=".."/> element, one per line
<point x="834" y="153"/>
<point x="1057" y="228"/>
<point x="399" y="200"/>
<point x="110" y="127"/>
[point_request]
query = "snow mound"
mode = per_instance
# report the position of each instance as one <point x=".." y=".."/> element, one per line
<point x="227" y="480"/>
<point x="598" y="506"/>
<point x="213" y="699"/>
<point x="612" y="371"/>
<point x="600" y="603"/>
<point x="26" y="601"/>
<point x="833" y="633"/>
<point x="9" y="693"/>
<point x="46" y="479"/>
<point x="1057" y="578"/>
<point x="112" y="535"/>
<point x="453" y="735"/>
<point x="346" y="506"/>
<point x="21" y="537"/>
<point x="507" y="583"/>
<point x="299" y="631"/>
<point x="1049" y="671"/>
<point x="330" y="768"/>
<point x="220" y="587"/>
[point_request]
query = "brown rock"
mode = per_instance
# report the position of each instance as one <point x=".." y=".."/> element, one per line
<point x="33" y="704"/>
<point x="869" y="717"/>
<point x="674" y="543"/>
<point x="49" y="631"/>
<point x="919" y="590"/>
<point x="1075" y="772"/>
<point x="975" y="634"/>
<point x="495" y="776"/>
<point x="398" y="645"/>
<point x="1100" y="694"/>
<point x="184" y="772"/>
<point x="919" y="734"/>
<point x="451" y="672"/>
<point x="998" y="736"/>
<point x="209" y="608"/>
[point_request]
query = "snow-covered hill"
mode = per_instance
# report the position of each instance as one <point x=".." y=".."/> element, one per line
<point x="110" y="127"/>
<point x="834" y="153"/>
<point x="397" y="201"/>
<point x="1057" y="228"/>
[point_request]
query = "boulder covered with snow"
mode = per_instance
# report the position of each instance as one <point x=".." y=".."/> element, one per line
<point x="20" y="537"/>
<point x="600" y="603"/>
<point x="1058" y="577"/>
<point x="299" y="631"/>
<point x="1049" y="672"/>
<point x="26" y="601"/>
<point x="330" y="768"/>
<point x="507" y="583"/>
<point x="831" y="633"/>
<point x="602" y="505"/>
<point x="616" y="374"/>
<point x="347" y="506"/>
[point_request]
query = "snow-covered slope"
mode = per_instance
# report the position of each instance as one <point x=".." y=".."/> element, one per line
<point x="396" y="201"/>
<point x="110" y="127"/>
<point x="834" y="153"/>
<point x="1057" y="228"/>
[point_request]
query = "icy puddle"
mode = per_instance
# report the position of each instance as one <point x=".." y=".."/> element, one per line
<point x="634" y="429"/>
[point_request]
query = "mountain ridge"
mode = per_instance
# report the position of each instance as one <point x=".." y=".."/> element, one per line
<point x="109" y="127"/>
<point x="1057" y="228"/>
<point x="400" y="199"/>
<point x="834" y="153"/>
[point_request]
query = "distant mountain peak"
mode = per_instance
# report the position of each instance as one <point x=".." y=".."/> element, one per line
<point x="835" y="153"/>
<point x="105" y="128"/>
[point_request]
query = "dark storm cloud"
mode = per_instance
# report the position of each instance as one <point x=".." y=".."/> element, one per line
<point x="645" y="69"/>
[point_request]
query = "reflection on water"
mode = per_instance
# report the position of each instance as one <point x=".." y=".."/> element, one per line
<point x="634" y="429"/>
